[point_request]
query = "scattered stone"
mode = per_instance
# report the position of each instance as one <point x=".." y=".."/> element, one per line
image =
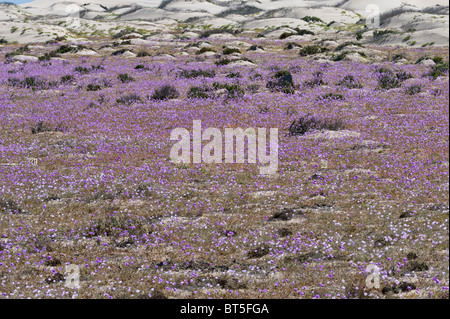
<point x="427" y="62"/>
<point x="190" y="35"/>
<point x="241" y="44"/>
<point x="355" y="57"/>
<point x="161" y="37"/>
<point x="86" y="52"/>
<point x="138" y="41"/>
<point x="25" y="58"/>
<point x="129" y="36"/>
<point x="220" y="36"/>
<point x="324" y="61"/>
<point x="193" y="50"/>
<point x="209" y="54"/>
<point x="204" y="44"/>
<point x="326" y="134"/>
<point x="241" y="63"/>
<point x="166" y="56"/>
<point x="330" y="45"/>
<point x="129" y="54"/>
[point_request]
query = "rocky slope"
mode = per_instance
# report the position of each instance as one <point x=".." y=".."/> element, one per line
<point x="411" y="23"/>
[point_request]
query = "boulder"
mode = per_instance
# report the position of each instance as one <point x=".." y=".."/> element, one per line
<point x="428" y="62"/>
<point x="25" y="58"/>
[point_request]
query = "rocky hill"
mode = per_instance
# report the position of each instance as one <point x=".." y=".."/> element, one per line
<point x="393" y="22"/>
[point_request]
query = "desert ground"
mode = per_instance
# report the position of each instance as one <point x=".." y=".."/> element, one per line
<point x="89" y="96"/>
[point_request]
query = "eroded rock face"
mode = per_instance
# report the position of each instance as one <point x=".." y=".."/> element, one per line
<point x="157" y="21"/>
